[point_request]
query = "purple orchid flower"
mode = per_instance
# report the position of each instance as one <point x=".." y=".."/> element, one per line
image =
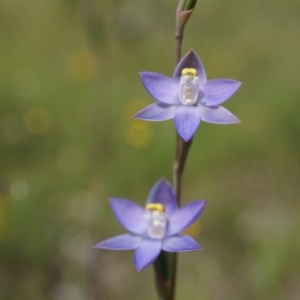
<point x="154" y="228"/>
<point x="188" y="97"/>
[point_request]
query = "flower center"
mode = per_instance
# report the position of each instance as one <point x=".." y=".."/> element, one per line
<point x="188" y="86"/>
<point x="156" y="220"/>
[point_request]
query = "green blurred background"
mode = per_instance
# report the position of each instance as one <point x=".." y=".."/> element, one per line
<point x="68" y="87"/>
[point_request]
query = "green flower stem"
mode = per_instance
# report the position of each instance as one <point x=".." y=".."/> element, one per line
<point x="182" y="149"/>
<point x="165" y="266"/>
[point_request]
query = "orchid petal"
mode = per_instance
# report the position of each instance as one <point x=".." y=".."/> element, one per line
<point x="160" y="87"/>
<point x="185" y="216"/>
<point x="130" y="215"/>
<point x="217" y="115"/>
<point x="162" y="193"/>
<point x="146" y="253"/>
<point x="187" y="119"/>
<point x="218" y="90"/>
<point x="156" y="112"/>
<point x="120" y="242"/>
<point x="190" y="60"/>
<point x="180" y="243"/>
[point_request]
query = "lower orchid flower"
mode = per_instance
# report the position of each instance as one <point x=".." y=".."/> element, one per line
<point x="188" y="97"/>
<point x="155" y="228"/>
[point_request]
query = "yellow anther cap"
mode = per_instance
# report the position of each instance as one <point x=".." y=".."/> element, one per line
<point x="189" y="71"/>
<point x="155" y="206"/>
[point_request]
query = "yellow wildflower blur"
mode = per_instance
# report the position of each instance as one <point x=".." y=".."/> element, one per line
<point x="138" y="134"/>
<point x="37" y="121"/>
<point x="82" y="66"/>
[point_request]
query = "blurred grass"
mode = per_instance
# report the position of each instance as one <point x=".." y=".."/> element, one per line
<point x="68" y="85"/>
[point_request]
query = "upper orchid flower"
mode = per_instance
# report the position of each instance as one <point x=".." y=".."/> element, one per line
<point x="154" y="228"/>
<point x="188" y="97"/>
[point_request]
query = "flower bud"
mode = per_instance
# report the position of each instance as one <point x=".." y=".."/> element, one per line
<point x="184" y="11"/>
<point x="188" y="4"/>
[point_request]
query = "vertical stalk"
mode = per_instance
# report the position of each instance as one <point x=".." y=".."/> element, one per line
<point x="166" y="264"/>
<point x="182" y="148"/>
